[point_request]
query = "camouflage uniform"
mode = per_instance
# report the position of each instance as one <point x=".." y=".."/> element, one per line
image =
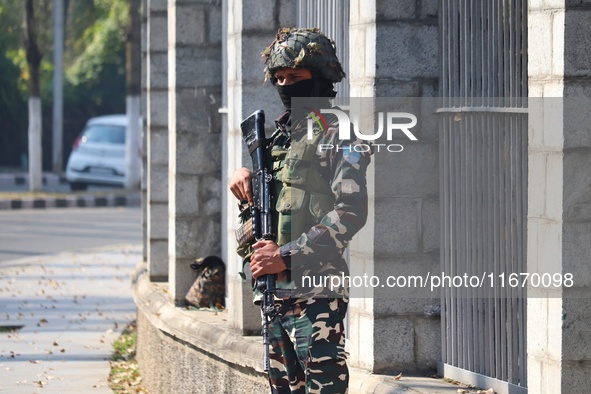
<point x="307" y="335"/>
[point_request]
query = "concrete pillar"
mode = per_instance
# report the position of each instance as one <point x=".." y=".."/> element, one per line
<point x="157" y="139"/>
<point x="392" y="334"/>
<point x="559" y="218"/>
<point x="194" y="172"/>
<point x="252" y="26"/>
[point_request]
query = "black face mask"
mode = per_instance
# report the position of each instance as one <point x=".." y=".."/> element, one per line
<point x="298" y="89"/>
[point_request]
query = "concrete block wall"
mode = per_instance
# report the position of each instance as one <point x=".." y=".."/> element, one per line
<point x="252" y="26"/>
<point x="559" y="218"/>
<point x="156" y="118"/>
<point x="576" y="230"/>
<point x="396" y="47"/>
<point x="194" y="138"/>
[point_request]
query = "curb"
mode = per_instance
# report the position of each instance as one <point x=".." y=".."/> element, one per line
<point x="49" y="179"/>
<point x="113" y="200"/>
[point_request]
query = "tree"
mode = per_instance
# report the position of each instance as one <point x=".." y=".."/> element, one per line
<point x="34" y="55"/>
<point x="12" y="102"/>
<point x="94" y="68"/>
<point x="133" y="90"/>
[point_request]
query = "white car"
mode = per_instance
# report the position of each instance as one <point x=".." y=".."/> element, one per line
<point x="98" y="154"/>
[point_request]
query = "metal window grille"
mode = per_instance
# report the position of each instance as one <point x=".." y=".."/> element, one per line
<point x="332" y="18"/>
<point x="483" y="154"/>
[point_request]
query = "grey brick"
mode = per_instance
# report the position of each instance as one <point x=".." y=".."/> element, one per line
<point x="256" y="15"/>
<point x="158" y="78"/>
<point x="412" y="172"/>
<point x="158" y="34"/>
<point x="159" y="147"/>
<point x="190" y="28"/>
<point x="430" y="225"/>
<point x="287" y="13"/>
<point x="394" y="347"/>
<point x="429" y="8"/>
<point x="392" y="10"/>
<point x="197" y="67"/>
<point x="158" y="107"/>
<point x="396" y="226"/>
<point x="410" y="51"/>
<point x="158" y="221"/>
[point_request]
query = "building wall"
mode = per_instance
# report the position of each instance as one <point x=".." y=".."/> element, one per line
<point x="193" y="150"/>
<point x="395" y="47"/>
<point x="194" y="138"/>
<point x="252" y="26"/>
<point x="156" y="118"/>
<point x="559" y="221"/>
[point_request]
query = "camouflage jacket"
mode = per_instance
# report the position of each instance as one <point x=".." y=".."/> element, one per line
<point x="318" y="252"/>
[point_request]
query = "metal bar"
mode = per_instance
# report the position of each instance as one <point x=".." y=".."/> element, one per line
<point x="472" y="239"/>
<point x="496" y="243"/>
<point x="455" y="40"/>
<point x="464" y="50"/>
<point x="477" y="47"/>
<point x="490" y="245"/>
<point x="507" y="175"/>
<point x="450" y="235"/>
<point x="524" y="78"/>
<point x="489" y="40"/>
<point x="524" y="172"/>
<point x="479" y="380"/>
<point x="443" y="50"/>
<point x="457" y="241"/>
<point x="469" y="344"/>
<point x="518" y="49"/>
<point x="443" y="239"/>
<point x="505" y="110"/>
<point x="503" y="243"/>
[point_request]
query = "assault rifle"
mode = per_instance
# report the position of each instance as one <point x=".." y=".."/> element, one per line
<point x="253" y="133"/>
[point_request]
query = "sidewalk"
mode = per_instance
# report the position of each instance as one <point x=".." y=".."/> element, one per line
<point x="59" y="315"/>
<point x="15" y="194"/>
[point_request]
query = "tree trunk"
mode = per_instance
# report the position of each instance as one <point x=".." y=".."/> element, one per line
<point x="58" y="89"/>
<point x="133" y="89"/>
<point x="35" y="132"/>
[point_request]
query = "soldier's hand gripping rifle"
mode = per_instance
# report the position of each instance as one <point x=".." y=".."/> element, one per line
<point x="253" y="133"/>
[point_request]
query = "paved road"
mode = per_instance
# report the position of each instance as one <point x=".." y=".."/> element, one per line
<point x="41" y="232"/>
<point x="61" y="303"/>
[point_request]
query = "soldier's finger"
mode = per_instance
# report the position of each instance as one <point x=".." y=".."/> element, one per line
<point x="261" y="243"/>
<point x="248" y="194"/>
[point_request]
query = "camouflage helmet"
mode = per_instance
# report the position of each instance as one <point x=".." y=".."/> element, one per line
<point x="303" y="48"/>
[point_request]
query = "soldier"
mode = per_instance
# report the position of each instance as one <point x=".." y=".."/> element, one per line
<point x="321" y="202"/>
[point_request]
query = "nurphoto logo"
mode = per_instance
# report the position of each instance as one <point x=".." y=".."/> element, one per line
<point x="395" y="122"/>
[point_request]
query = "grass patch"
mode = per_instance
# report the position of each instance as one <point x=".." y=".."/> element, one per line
<point x="125" y="376"/>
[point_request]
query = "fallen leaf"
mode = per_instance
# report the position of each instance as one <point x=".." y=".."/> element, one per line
<point x="40" y="383"/>
<point x="397" y="377"/>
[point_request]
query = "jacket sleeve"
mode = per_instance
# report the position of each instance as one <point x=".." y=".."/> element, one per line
<point x="345" y="166"/>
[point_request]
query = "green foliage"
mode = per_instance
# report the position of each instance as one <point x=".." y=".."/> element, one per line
<point x="13" y="122"/>
<point x="94" y="63"/>
<point x="103" y="42"/>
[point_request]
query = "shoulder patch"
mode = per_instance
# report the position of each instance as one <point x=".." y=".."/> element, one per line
<point x="351" y="156"/>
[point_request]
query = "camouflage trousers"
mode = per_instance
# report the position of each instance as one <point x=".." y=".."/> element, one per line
<point x="307" y="349"/>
